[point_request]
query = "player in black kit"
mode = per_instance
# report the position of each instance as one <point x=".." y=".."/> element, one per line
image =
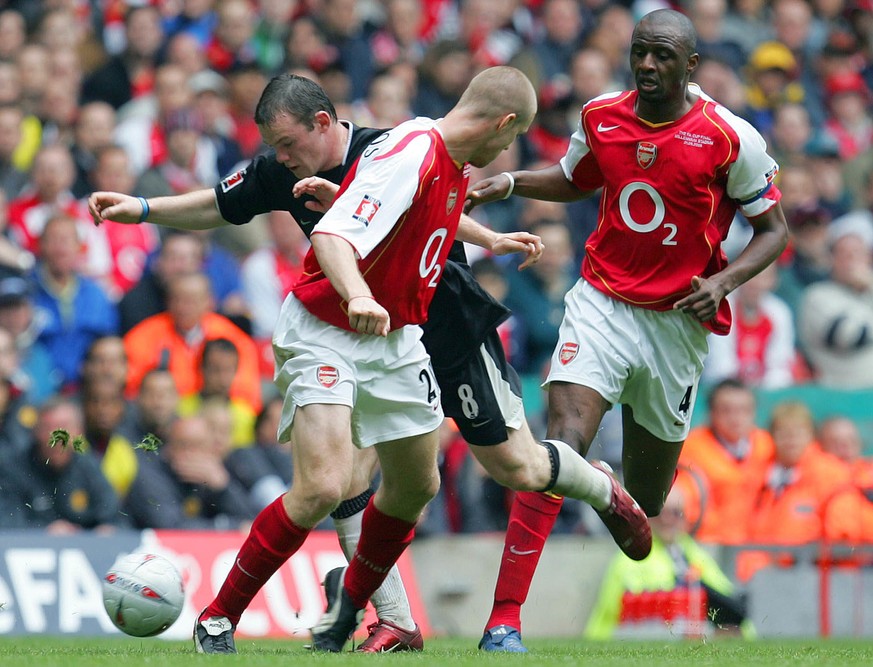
<point x="480" y="390"/>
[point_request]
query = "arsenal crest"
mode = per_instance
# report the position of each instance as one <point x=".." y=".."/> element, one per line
<point x="328" y="376"/>
<point x="568" y="353"/>
<point x="646" y="154"/>
<point x="451" y="200"/>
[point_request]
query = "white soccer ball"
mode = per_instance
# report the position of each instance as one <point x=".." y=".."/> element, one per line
<point x="143" y="594"/>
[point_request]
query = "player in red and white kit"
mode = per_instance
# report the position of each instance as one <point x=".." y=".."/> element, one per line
<point x="674" y="167"/>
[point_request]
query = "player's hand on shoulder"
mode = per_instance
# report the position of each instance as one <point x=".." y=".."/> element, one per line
<point x="488" y="190"/>
<point x="520" y="242"/>
<point x="323" y="190"/>
<point x="367" y="316"/>
<point x="704" y="299"/>
<point x="114" y="206"/>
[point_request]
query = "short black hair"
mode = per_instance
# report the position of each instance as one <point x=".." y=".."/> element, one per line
<point x="218" y="344"/>
<point x="296" y="96"/>
<point x="725" y="385"/>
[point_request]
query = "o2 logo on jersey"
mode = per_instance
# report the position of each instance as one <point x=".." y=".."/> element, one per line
<point x="366" y="210"/>
<point x="233" y="180"/>
<point x="451" y="200"/>
<point x="646" y="154"/>
<point x="658" y="214"/>
<point x="568" y="353"/>
<point x="328" y="376"/>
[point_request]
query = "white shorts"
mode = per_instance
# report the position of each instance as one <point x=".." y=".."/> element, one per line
<point x="650" y="360"/>
<point x="387" y="381"/>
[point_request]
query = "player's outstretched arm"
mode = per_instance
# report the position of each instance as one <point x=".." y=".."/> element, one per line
<point x="336" y="257"/>
<point x="192" y="210"/>
<point x="549" y="184"/>
<point x="471" y="231"/>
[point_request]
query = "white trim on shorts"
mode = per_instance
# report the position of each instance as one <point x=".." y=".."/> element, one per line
<point x="650" y="360"/>
<point x="510" y="404"/>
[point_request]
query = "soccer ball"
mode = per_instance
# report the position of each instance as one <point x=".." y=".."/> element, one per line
<point x="143" y="594"/>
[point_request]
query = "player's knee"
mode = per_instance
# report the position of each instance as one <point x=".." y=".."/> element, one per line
<point x="652" y="506"/>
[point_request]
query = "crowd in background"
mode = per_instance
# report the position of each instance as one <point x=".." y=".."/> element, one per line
<point x="119" y="332"/>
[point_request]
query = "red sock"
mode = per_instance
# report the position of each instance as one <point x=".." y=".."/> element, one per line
<point x="272" y="541"/>
<point x="383" y="539"/>
<point x="531" y="519"/>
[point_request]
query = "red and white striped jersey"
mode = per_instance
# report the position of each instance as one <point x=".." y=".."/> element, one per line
<point x="670" y="192"/>
<point x="399" y="208"/>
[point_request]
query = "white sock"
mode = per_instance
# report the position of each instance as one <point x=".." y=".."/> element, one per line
<point x="390" y="599"/>
<point x="579" y="479"/>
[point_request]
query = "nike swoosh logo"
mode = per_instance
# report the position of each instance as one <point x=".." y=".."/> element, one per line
<point x="607" y="128"/>
<point x="515" y="551"/>
<point x="480" y="424"/>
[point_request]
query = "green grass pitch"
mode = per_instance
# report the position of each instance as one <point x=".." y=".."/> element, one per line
<point x="123" y="652"/>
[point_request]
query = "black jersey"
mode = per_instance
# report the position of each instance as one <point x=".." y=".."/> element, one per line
<point x="461" y="314"/>
<point x="266" y="185"/>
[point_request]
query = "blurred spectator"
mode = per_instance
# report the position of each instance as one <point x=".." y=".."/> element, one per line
<point x="849" y="119"/>
<point x="73" y="310"/>
<point x="94" y="128"/>
<point x="849" y="513"/>
<point x="129" y="246"/>
<point x="269" y="272"/>
<point x="14" y="260"/>
<point x="794" y="25"/>
<point x="184" y="51"/>
<point x="174" y="339"/>
<point x="343" y="28"/>
<point x="677" y="591"/>
<point x="155" y="407"/>
<point x="246" y="84"/>
<point x="445" y="72"/>
<point x="760" y="348"/>
<point x="836" y="315"/>
<point x="58" y="110"/>
<point x="12" y="178"/>
<point x="31" y="129"/>
<point x="13" y="33"/>
<point x="840" y="437"/>
<point x="265" y="469"/>
<point x="788" y="508"/>
<point x="211" y="103"/>
<point x="791" y="135"/>
<point x="771" y="74"/>
<point x="590" y="76"/>
<point x="536" y="295"/>
<point x="194" y="17"/>
<point x="612" y="34"/>
<point x="141" y="128"/>
<point x="186" y="484"/>
<point x="17" y="416"/>
<point x="17" y="316"/>
<point x="48" y="193"/>
<point x="190" y="160"/>
<point x="271" y="33"/>
<point x="33" y="69"/>
<point x="746" y="23"/>
<point x="219" y="363"/>
<point x="104" y="409"/>
<point x="563" y="30"/>
<point x="399" y="37"/>
<point x="733" y="455"/>
<point x="307" y="47"/>
<point x="231" y="43"/>
<point x="131" y="73"/>
<point x="825" y="162"/>
<point x="51" y="486"/>
<point x="387" y="103"/>
<point x="708" y="17"/>
<point x="548" y="136"/>
<point x="106" y="358"/>
<point x="180" y="253"/>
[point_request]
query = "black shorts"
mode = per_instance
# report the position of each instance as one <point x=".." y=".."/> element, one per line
<point x="481" y="393"/>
